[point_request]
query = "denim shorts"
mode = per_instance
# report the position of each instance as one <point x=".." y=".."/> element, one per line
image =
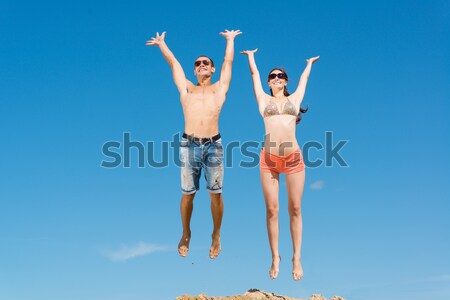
<point x="194" y="157"/>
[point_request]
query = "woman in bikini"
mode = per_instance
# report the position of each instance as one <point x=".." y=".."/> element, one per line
<point x="281" y="154"/>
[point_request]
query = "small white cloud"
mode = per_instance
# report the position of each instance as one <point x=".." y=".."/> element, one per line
<point x="442" y="278"/>
<point x="317" y="185"/>
<point x="372" y="285"/>
<point x="128" y="252"/>
<point x="35" y="239"/>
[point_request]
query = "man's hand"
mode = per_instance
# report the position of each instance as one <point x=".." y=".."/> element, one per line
<point x="249" y="52"/>
<point x="156" y="41"/>
<point x="230" y="35"/>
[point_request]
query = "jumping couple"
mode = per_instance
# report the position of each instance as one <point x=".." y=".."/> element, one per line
<point x="201" y="143"/>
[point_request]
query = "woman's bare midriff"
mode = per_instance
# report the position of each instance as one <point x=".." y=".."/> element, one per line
<point x="280" y="137"/>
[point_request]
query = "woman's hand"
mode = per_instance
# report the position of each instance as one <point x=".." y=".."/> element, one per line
<point x="156" y="41"/>
<point x="249" y="52"/>
<point x="312" y="60"/>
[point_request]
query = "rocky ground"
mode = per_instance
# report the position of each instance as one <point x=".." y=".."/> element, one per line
<point x="254" y="294"/>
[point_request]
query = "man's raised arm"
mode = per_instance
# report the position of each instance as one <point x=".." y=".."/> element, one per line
<point x="225" y="73"/>
<point x="177" y="71"/>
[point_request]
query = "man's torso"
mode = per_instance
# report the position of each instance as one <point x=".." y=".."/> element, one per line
<point x="201" y="107"/>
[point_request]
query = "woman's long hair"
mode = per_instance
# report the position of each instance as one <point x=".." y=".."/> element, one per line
<point x="286" y="93"/>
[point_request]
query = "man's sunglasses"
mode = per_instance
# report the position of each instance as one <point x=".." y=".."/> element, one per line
<point x="199" y="62"/>
<point x="279" y="75"/>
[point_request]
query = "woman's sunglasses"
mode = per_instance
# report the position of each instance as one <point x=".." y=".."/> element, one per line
<point x="199" y="62"/>
<point x="279" y="75"/>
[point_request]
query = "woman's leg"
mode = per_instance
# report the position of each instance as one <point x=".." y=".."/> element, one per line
<point x="270" y="186"/>
<point x="295" y="183"/>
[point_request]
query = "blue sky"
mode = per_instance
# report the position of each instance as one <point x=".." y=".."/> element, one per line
<point x="76" y="75"/>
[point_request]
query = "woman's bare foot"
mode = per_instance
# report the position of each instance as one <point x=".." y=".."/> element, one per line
<point x="215" y="249"/>
<point x="183" y="245"/>
<point x="274" y="269"/>
<point x="297" y="270"/>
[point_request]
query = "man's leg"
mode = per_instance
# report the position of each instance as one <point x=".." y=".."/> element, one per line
<point x="190" y="174"/>
<point x="217" y="213"/>
<point x="186" y="207"/>
<point x="214" y="179"/>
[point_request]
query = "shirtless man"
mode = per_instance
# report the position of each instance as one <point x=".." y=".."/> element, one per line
<point x="201" y="145"/>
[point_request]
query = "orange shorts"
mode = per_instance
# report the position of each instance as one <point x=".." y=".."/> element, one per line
<point x="289" y="164"/>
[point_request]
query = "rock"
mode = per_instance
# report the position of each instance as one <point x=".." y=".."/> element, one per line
<point x="317" y="297"/>
<point x="253" y="294"/>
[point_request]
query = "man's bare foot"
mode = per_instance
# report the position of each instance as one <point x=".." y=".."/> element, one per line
<point x="183" y="245"/>
<point x="214" y="251"/>
<point x="274" y="269"/>
<point x="297" y="270"/>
